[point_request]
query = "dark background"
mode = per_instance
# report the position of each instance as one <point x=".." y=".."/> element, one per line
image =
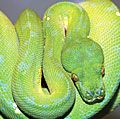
<point x="12" y="8"/>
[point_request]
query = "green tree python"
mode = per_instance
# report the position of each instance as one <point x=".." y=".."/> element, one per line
<point x="74" y="50"/>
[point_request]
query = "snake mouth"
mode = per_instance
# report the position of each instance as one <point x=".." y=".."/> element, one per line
<point x="93" y="100"/>
<point x="100" y="97"/>
<point x="94" y="97"/>
<point x="89" y="100"/>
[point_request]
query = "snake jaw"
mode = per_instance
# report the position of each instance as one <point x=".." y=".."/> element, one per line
<point x="94" y="100"/>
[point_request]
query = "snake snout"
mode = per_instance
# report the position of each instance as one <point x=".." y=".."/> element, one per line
<point x="94" y="96"/>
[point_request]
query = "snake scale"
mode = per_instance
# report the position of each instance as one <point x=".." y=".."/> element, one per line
<point x="45" y="66"/>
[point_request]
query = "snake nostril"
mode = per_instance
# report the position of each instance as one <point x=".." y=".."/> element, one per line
<point x="90" y="94"/>
<point x="100" y="94"/>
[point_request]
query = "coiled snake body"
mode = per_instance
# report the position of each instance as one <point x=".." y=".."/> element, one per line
<point x="61" y="42"/>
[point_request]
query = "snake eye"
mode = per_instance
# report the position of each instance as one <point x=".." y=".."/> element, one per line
<point x="74" y="77"/>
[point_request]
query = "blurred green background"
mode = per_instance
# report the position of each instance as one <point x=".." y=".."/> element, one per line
<point x="12" y="8"/>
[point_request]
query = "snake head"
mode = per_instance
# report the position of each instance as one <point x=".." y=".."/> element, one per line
<point x="84" y="59"/>
<point x="89" y="84"/>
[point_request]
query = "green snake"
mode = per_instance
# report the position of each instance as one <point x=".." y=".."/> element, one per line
<point x="56" y="50"/>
